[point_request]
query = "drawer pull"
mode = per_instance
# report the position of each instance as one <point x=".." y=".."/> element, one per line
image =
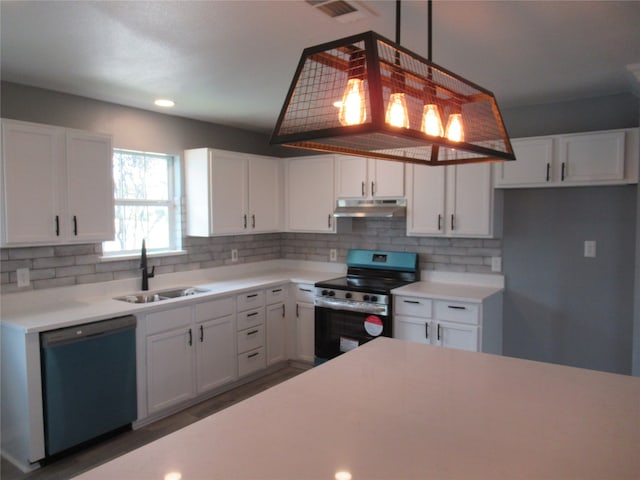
<point x="253" y="355"/>
<point x="456" y="307"/>
<point x="252" y="332"/>
<point x="426" y="330"/>
<point x="252" y="295"/>
<point x="415" y="302"/>
<point x="252" y="314"/>
<point x="438" y="332"/>
<point x="201" y="333"/>
<point x="190" y="337"/>
<point x="277" y="290"/>
<point x="305" y="290"/>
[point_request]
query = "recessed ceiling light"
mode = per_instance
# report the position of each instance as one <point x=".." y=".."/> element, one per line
<point x="164" y="102"/>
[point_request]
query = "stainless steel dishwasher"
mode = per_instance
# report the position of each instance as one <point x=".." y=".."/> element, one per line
<point x="88" y="381"/>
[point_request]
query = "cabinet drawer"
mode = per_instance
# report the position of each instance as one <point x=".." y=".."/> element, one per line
<point x="214" y="309"/>
<point x="413" y="306"/>
<point x="304" y="293"/>
<point x="250" y="339"/>
<point x="276" y="294"/>
<point x="168" y="319"/>
<point x="457" y="312"/>
<point x="250" y="318"/>
<point x="251" y="361"/>
<point x="250" y="300"/>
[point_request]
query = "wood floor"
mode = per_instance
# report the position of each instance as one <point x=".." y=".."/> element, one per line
<point x="91" y="457"/>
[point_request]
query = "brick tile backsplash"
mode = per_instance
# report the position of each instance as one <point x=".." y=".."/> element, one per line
<point x="54" y="266"/>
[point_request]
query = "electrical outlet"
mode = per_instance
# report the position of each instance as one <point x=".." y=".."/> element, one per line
<point x="234" y="255"/>
<point x="590" y="248"/>
<point x="333" y="255"/>
<point x="496" y="264"/>
<point x="23" y="277"/>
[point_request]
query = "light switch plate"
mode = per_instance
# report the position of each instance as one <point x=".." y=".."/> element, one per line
<point x="590" y="248"/>
<point x="234" y="255"/>
<point x="496" y="264"/>
<point x="333" y="255"/>
<point x="23" y="277"/>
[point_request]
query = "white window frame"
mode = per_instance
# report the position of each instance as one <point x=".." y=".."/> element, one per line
<point x="173" y="204"/>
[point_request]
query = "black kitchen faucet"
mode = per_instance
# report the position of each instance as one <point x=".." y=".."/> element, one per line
<point x="146" y="275"/>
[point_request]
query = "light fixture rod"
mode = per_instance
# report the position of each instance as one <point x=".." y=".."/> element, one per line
<point x="429" y="30"/>
<point x="398" y="22"/>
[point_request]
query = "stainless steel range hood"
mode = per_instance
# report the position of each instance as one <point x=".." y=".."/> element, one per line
<point x="371" y="208"/>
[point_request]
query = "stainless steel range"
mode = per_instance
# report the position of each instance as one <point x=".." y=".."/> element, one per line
<point x="355" y="309"/>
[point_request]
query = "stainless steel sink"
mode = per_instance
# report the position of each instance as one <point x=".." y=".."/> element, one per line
<point x="160" y="295"/>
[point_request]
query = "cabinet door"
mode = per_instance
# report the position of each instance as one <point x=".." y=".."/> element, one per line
<point x="386" y="178"/>
<point x="469" y="196"/>
<point x="457" y="335"/>
<point x="276" y="331"/>
<point x="426" y="196"/>
<point x="595" y="157"/>
<point x="351" y="177"/>
<point x="215" y="353"/>
<point x="32" y="158"/>
<point x="90" y="212"/>
<point x="413" y="329"/>
<point x="264" y="194"/>
<point x="310" y="199"/>
<point x="169" y="368"/>
<point x="533" y="165"/>
<point x="305" y="332"/>
<point x="229" y="198"/>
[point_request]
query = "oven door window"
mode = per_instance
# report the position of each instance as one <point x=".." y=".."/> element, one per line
<point x="338" y="331"/>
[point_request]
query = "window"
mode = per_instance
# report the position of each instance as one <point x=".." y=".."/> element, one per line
<point x="147" y="203"/>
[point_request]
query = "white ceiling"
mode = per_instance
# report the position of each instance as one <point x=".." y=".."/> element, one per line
<point x="231" y="62"/>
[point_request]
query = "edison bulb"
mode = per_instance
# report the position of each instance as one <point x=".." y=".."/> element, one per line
<point x="431" y="122"/>
<point x="352" y="108"/>
<point x="397" y="111"/>
<point x="455" y="130"/>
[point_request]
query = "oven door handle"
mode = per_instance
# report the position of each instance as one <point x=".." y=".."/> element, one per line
<point x="350" y="306"/>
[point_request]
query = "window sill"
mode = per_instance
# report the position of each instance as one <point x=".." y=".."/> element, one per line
<point x="133" y="256"/>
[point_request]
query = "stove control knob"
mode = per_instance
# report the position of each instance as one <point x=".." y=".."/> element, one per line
<point x="365" y="298"/>
<point x="325" y="293"/>
<point x="374" y="298"/>
<point x="331" y="293"/>
<point x="347" y="295"/>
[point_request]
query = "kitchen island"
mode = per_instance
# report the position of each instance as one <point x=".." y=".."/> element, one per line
<point x="398" y="410"/>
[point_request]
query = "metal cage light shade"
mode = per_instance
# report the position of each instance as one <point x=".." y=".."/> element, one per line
<point x="331" y="74"/>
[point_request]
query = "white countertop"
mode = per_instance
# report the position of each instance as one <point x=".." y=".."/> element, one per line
<point x="397" y="410"/>
<point x="43" y="316"/>
<point x="447" y="291"/>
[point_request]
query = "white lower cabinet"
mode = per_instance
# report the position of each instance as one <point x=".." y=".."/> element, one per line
<point x="474" y="326"/>
<point x="250" y="334"/>
<point x="276" y="324"/>
<point x="305" y="323"/>
<point x="189" y="350"/>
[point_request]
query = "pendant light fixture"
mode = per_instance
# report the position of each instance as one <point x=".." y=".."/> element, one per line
<point x="367" y="96"/>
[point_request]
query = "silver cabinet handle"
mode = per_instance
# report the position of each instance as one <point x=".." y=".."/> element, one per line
<point x="373" y="189"/>
<point x="245" y="221"/>
<point x="253" y="221"/>
<point x="363" y="189"/>
<point x="329" y="220"/>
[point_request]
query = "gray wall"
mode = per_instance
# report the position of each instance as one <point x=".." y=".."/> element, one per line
<point x="559" y="306"/>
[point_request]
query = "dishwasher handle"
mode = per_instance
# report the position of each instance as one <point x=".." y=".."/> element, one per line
<point x="85" y="331"/>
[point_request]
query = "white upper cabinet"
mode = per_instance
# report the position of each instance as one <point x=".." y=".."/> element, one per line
<point x="358" y="177"/>
<point x="230" y="193"/>
<point x="309" y="194"/>
<point x="608" y="158"/>
<point x="57" y="185"/>
<point x="450" y="201"/>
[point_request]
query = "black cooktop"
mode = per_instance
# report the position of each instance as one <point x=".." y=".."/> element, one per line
<point x="359" y="284"/>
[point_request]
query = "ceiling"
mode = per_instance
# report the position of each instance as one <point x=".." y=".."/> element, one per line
<point x="231" y="62"/>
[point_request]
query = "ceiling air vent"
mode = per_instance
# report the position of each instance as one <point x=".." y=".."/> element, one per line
<point x="340" y="10"/>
